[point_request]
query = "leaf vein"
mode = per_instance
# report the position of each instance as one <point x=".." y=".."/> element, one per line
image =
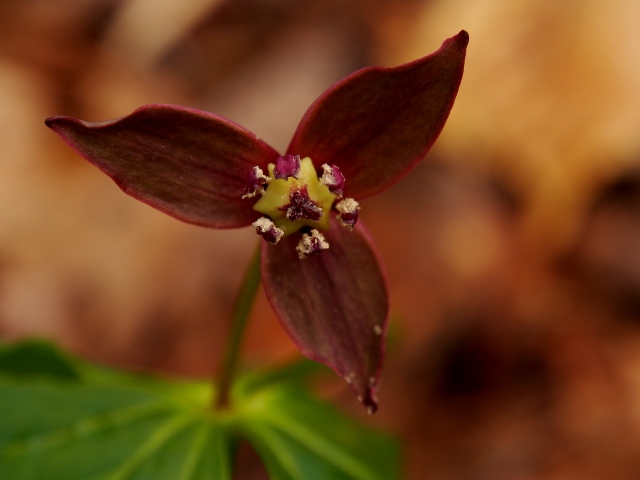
<point x="85" y="427"/>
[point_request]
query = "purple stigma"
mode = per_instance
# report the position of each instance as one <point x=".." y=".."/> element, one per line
<point x="301" y="206"/>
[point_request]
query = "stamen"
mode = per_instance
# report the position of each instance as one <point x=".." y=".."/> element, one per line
<point x="348" y="212"/>
<point x="268" y="230"/>
<point x="287" y="166"/>
<point x="256" y="181"/>
<point x="301" y="206"/>
<point x="311" y="243"/>
<point x="332" y="177"/>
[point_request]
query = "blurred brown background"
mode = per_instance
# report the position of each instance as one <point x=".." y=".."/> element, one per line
<point x="512" y="251"/>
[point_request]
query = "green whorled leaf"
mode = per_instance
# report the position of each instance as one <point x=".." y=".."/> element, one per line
<point x="36" y="358"/>
<point x="189" y="164"/>
<point x="377" y="123"/>
<point x="103" y="425"/>
<point x="300" y="438"/>
<point x="296" y="372"/>
<point x="104" y="433"/>
<point x="334" y="305"/>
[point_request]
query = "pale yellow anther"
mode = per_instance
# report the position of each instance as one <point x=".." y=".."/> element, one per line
<point x="313" y="242"/>
<point x="258" y="176"/>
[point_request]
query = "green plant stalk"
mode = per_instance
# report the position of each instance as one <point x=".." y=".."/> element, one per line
<point x="241" y="311"/>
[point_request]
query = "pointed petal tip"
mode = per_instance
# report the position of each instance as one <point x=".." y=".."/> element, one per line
<point x="369" y="400"/>
<point x="463" y="37"/>
<point x="58" y="122"/>
<point x="372" y="408"/>
<point x="51" y="122"/>
<point x="457" y="42"/>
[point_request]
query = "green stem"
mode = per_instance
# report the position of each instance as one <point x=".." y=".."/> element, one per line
<point x="241" y="310"/>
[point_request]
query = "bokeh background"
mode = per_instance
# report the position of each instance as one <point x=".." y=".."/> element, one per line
<point x="512" y="251"/>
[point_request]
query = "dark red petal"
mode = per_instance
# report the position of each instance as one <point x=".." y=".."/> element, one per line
<point x="334" y="304"/>
<point x="189" y="164"/>
<point x="378" y="123"/>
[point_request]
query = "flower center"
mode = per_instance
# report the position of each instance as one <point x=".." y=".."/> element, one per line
<point x="293" y="197"/>
<point x="296" y="198"/>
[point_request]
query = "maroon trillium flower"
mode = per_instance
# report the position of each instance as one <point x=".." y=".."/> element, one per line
<point x="319" y="269"/>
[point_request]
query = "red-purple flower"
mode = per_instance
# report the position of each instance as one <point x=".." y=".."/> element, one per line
<point x="319" y="269"/>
